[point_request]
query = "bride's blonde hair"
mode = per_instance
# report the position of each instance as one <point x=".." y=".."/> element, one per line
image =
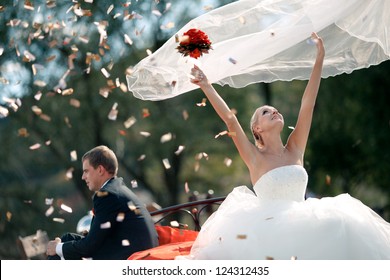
<point x="258" y="140"/>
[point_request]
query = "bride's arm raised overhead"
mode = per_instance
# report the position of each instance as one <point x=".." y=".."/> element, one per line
<point x="298" y="138"/>
<point x="241" y="141"/>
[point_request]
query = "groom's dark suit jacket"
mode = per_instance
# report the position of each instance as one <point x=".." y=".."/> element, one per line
<point x="121" y="226"/>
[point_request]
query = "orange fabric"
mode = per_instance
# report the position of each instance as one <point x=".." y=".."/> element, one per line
<point x="173" y="242"/>
<point x="164" y="252"/>
<point x="167" y="234"/>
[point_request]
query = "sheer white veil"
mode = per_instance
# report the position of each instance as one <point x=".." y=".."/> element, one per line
<point x="267" y="40"/>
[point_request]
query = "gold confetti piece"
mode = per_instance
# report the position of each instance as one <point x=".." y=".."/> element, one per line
<point x="114" y="112"/>
<point x="166" y="137"/>
<point x="269" y="258"/>
<point x="145" y="133"/>
<point x="120" y="217"/>
<point x="131" y="206"/>
<point x="186" y="187"/>
<point x="49" y="211"/>
<point x="28" y="5"/>
<point x="125" y="242"/>
<point x="22" y="132"/>
<point x="68" y="91"/>
<point x="75" y="102"/>
<point x="149" y="52"/>
<point x="28" y="57"/>
<point x="166" y="163"/>
<point x="123" y="87"/>
<point x="59" y="220"/>
<point x="35" y="146"/>
<point x="242" y="20"/>
<point x="293" y="258"/>
<point x="36" y="110"/>
<point x="241" y="236"/>
<point x="328" y="180"/>
<point x="185" y="115"/>
<point x="9" y="216"/>
<point x="203" y="103"/>
<point x="101" y="193"/>
<point x="45" y="117"/>
<point x="105" y="225"/>
<point x="73" y="155"/>
<point x="134" y="184"/>
<point x="227" y="162"/>
<point x="130" y="122"/>
<point x="48" y="142"/>
<point x="196" y="166"/>
<point x="66" y="208"/>
<point x="145" y="113"/>
<point x="179" y="150"/>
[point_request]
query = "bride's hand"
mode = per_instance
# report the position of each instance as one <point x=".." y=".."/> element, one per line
<point x="199" y="78"/>
<point x="319" y="43"/>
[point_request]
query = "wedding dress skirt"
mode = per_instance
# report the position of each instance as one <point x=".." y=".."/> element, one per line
<point x="268" y="40"/>
<point x="277" y="223"/>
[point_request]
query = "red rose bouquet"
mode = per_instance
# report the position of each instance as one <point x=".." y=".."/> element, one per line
<point x="194" y="43"/>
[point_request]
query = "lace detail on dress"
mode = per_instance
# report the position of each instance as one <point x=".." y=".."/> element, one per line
<point x="283" y="183"/>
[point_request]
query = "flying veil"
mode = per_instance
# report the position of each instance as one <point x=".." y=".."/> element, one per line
<point x="268" y="40"/>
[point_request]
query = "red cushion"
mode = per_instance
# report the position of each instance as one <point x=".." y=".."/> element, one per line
<point x="173" y="242"/>
<point x="164" y="252"/>
<point x="167" y="234"/>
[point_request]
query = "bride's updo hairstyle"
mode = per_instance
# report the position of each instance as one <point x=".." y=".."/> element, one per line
<point x="258" y="140"/>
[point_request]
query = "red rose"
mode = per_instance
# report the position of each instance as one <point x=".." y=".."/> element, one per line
<point x="194" y="43"/>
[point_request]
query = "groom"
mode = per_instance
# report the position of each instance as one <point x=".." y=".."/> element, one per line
<point x="121" y="224"/>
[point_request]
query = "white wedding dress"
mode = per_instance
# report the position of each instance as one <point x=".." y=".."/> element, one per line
<point x="278" y="223"/>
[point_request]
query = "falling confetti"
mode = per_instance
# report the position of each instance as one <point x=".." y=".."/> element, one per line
<point x="241" y="236"/>
<point x="73" y="155"/>
<point x="125" y="242"/>
<point x="134" y="184"/>
<point x="120" y="217"/>
<point x="166" y="137"/>
<point x="179" y="150"/>
<point x="203" y="103"/>
<point x="66" y="208"/>
<point x="35" y="146"/>
<point x="101" y="193"/>
<point x="186" y="187"/>
<point x="105" y="225"/>
<point x="59" y="220"/>
<point x="166" y="163"/>
<point x="113" y="113"/>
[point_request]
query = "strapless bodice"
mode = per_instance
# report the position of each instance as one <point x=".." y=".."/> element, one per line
<point x="285" y="182"/>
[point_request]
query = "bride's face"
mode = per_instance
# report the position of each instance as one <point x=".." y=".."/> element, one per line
<point x="268" y="117"/>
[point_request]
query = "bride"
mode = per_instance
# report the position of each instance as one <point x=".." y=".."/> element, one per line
<point x="277" y="222"/>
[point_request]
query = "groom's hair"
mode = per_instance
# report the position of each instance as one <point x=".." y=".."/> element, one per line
<point x="104" y="156"/>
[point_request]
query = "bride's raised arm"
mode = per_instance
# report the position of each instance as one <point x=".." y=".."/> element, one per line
<point x="244" y="146"/>
<point x="298" y="138"/>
